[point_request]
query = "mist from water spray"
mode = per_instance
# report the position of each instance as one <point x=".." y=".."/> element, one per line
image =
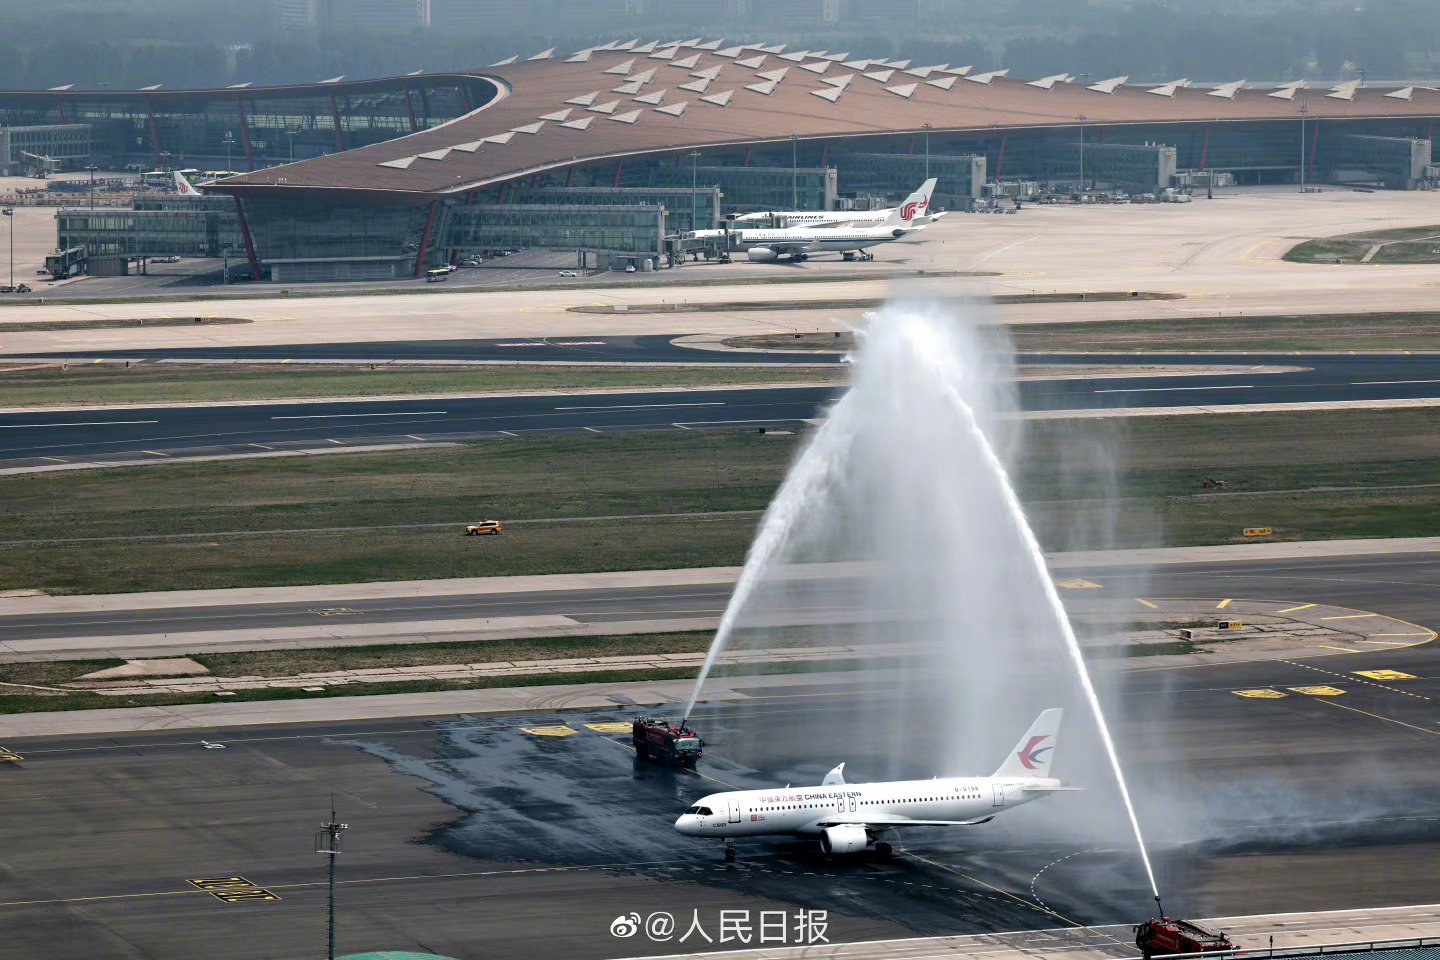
<point x="927" y="352"/>
<point x="820" y="463"/>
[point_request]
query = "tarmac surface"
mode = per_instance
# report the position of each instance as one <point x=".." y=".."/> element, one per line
<point x="42" y="438"/>
<point x="490" y="835"/>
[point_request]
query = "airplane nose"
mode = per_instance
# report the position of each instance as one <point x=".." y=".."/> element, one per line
<point x="688" y="824"/>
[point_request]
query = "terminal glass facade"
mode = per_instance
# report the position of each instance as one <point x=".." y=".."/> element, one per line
<point x="684" y="209"/>
<point x="243" y="129"/>
<point x="311" y="229"/>
<point x="895" y="176"/>
<point x="179" y="232"/>
<point x="633" y="229"/>
<point x="61" y="146"/>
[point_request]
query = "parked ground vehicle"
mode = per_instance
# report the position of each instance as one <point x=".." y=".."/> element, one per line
<point x="1167" y="935"/>
<point x="484" y="528"/>
<point x="569" y="273"/>
<point x="438" y="275"/>
<point x="666" y="741"/>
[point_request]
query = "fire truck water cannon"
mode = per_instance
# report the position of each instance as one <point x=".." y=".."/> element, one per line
<point x="665" y="741"/>
<point x="1168" y="935"/>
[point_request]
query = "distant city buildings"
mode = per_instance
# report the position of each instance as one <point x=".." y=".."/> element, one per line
<point x="478" y="17"/>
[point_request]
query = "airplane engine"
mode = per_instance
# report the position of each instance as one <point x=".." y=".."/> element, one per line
<point x="762" y="254"/>
<point x="897" y="234"/>
<point x="845" y="838"/>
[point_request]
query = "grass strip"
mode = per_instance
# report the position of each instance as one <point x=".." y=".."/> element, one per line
<point x="102" y="384"/>
<point x="1340" y="331"/>
<point x="1088" y="484"/>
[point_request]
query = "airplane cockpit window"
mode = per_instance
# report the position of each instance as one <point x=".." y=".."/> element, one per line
<point x="702" y="811"/>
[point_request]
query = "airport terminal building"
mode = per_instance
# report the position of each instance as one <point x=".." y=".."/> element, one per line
<point x="611" y="150"/>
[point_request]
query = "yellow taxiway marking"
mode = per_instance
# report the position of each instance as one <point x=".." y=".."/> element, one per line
<point x="328" y="440"/>
<point x="609" y="727"/>
<point x="1368" y="683"/>
<point x="591" y="429"/>
<point x="1352" y="616"/>
<point x="1400" y="635"/>
<point x="1326" y="646"/>
<point x="1384" y="674"/>
<point x="9" y="755"/>
<point x="413" y="437"/>
<point x="1259" y="694"/>
<point x="508" y="433"/>
<point x="1224" y="603"/>
<point x="556" y="731"/>
<point x="55" y="459"/>
<point x="1433" y="733"/>
<point x="1319" y="691"/>
<point x="1077" y="584"/>
<point x="219" y="883"/>
<point x="155" y="453"/>
<point x="1303" y="606"/>
<point x="1152" y="606"/>
<point x="1391" y="643"/>
<point x="260" y="445"/>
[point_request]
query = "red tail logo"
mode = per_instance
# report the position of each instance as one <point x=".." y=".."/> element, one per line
<point x="907" y="212"/>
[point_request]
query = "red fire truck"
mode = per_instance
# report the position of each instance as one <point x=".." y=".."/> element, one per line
<point x="665" y="741"/>
<point x="1167" y="935"/>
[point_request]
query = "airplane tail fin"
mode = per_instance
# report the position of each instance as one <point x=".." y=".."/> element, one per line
<point x="913" y="208"/>
<point x="184" y="187"/>
<point x="1034" y="753"/>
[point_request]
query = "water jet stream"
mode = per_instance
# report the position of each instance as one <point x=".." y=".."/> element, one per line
<point x="1036" y="555"/>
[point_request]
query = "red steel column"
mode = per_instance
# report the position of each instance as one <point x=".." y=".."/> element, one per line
<point x="620" y="168"/>
<point x="410" y="111"/>
<point x="335" y="115"/>
<point x="569" y="176"/>
<point x="249" y="244"/>
<point x="747" y="157"/>
<point x="1204" y="148"/>
<point x="425" y="239"/>
<point x="245" y="134"/>
<point x="154" y="129"/>
<point x="1000" y="160"/>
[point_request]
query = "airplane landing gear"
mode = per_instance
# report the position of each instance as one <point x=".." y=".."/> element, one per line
<point x="729" y="851"/>
<point x="866" y="256"/>
<point x="848" y="255"/>
<point x="884" y="850"/>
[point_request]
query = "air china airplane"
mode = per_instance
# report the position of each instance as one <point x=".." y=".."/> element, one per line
<point x="184" y="187"/>
<point x="848" y="818"/>
<point x="830" y="218"/>
<point x="797" y="243"/>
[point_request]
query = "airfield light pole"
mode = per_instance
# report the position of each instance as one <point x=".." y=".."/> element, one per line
<point x="9" y="212"/>
<point x="928" y="128"/>
<point x="327" y="842"/>
<point x="694" y="187"/>
<point x="92" y="168"/>
<point x="794" y="171"/>
<point x="1304" y="109"/>
<point x="1082" y="118"/>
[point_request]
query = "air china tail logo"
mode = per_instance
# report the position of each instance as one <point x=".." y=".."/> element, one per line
<point x="1032" y="753"/>
<point x="907" y="212"/>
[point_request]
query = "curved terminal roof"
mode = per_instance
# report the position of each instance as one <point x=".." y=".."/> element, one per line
<point x="555" y="110"/>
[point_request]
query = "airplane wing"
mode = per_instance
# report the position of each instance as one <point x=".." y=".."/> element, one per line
<point x="785" y="246"/>
<point x="895" y="820"/>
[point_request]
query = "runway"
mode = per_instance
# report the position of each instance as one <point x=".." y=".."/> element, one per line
<point x="38" y="438"/>
<point x="473" y="836"/>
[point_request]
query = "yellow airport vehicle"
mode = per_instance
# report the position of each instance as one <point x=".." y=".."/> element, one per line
<point x="484" y="528"/>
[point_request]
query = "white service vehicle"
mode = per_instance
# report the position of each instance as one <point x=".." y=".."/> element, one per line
<point x="849" y="818"/>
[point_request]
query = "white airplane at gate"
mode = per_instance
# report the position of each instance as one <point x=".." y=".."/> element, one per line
<point x="831" y="218"/>
<point x="849" y="818"/>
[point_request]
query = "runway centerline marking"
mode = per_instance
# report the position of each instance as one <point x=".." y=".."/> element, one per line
<point x="647" y="406"/>
<point x="87" y="423"/>
<point x="345" y="416"/>
<point x="1386" y="383"/>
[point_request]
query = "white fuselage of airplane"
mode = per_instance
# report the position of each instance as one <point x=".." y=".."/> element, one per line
<point x="809" y="811"/>
<point x="806" y="239"/>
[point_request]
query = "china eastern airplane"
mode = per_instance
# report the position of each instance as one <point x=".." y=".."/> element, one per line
<point x="797" y="243"/>
<point x="830" y="218"/>
<point x="849" y="818"/>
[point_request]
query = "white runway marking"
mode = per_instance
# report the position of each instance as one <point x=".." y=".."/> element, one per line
<point x="88" y="423"/>
<point x="1382" y="383"/>
<point x="338" y="416"/>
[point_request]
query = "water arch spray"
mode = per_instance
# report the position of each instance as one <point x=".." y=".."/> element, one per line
<point x="907" y="480"/>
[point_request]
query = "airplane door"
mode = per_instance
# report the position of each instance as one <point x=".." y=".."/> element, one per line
<point x="734" y="806"/>
<point x="852" y="804"/>
<point x="999" y="795"/>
